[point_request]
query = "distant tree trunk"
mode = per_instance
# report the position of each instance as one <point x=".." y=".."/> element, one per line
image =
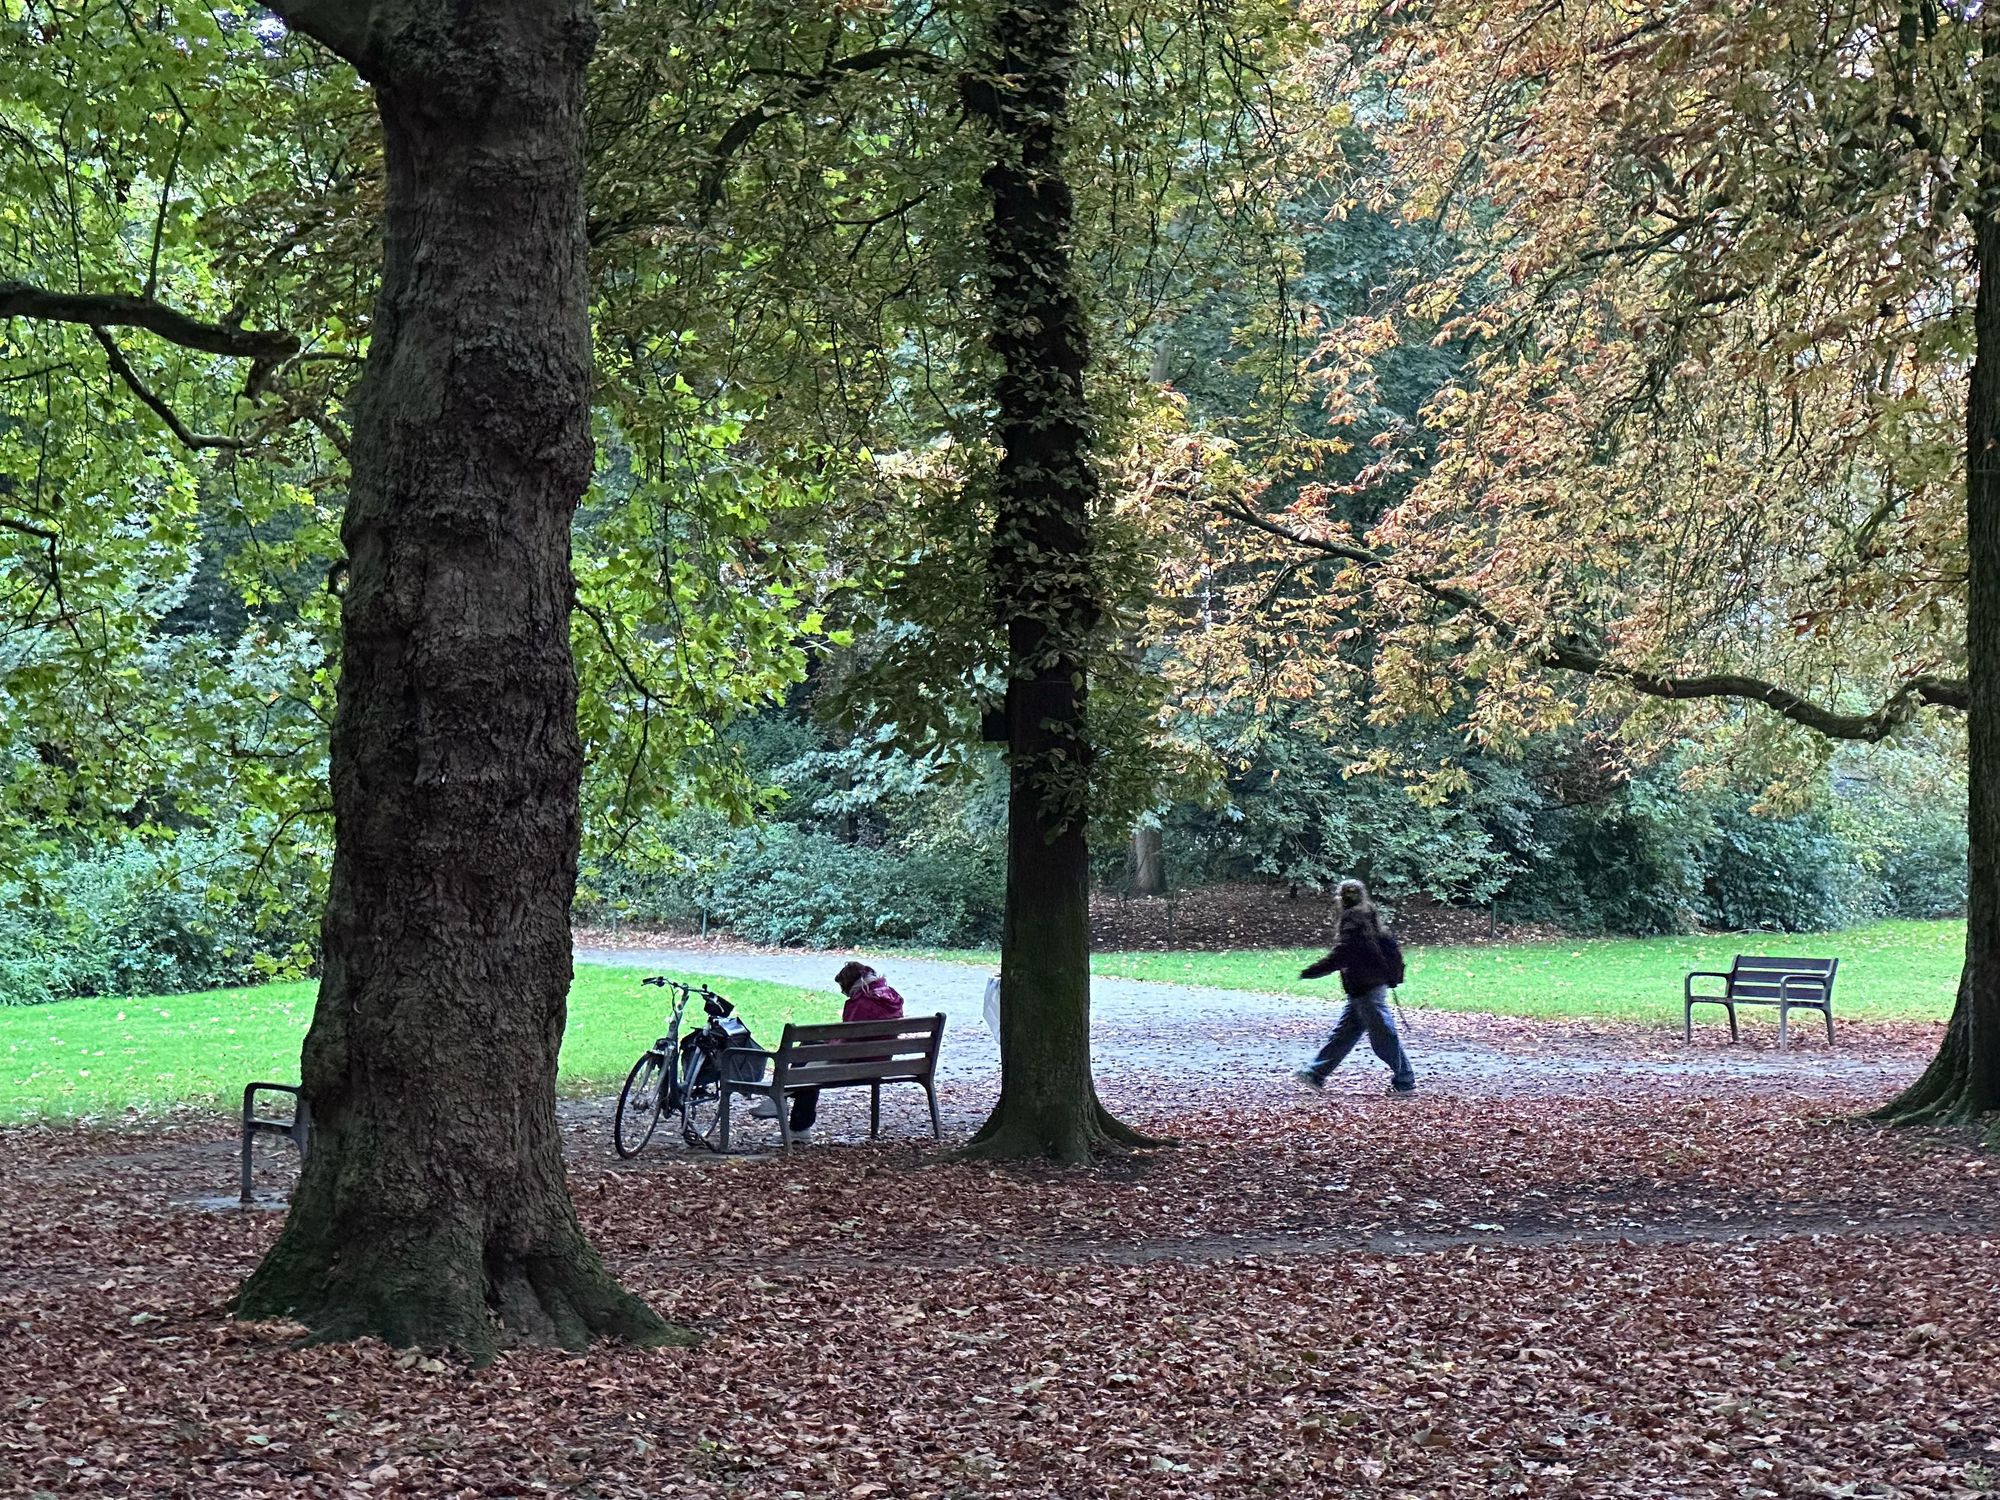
<point x="1041" y="575"/>
<point x="434" y="1209"/>
<point x="1149" y="869"/>
<point x="1963" y="1081"/>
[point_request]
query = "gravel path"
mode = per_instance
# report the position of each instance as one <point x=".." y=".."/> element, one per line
<point x="1243" y="1036"/>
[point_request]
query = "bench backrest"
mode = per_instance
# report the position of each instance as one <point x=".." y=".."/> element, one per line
<point x="1755" y="978"/>
<point x="858" y="1051"/>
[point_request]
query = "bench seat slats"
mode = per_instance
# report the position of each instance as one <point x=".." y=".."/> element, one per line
<point x="844" y="1031"/>
<point x="827" y="1075"/>
<point x="859" y="1049"/>
<point x="1809" y="988"/>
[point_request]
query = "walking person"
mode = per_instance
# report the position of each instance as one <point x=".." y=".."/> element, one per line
<point x="1370" y="961"/>
<point x="869" y="998"/>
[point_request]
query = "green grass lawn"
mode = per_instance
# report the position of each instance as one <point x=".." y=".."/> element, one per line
<point x="1889" y="971"/>
<point x="106" y="1056"/>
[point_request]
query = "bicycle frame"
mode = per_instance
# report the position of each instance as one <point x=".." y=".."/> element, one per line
<point x="669" y="1045"/>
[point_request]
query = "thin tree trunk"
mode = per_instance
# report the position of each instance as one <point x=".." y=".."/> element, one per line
<point x="433" y="1208"/>
<point x="1963" y="1081"/>
<point x="1041" y="575"/>
<point x="1149" y="872"/>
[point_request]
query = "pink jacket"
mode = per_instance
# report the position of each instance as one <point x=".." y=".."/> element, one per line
<point x="873" y="1000"/>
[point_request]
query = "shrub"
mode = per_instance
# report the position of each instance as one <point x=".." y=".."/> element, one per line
<point x="1780" y="874"/>
<point x="794" y="886"/>
<point x="187" y="913"/>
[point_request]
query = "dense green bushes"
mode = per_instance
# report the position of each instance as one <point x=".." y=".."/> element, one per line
<point x="1571" y="836"/>
<point x="190" y="912"/>
<point x="793" y="886"/>
<point x="868" y="845"/>
<point x="864" y="845"/>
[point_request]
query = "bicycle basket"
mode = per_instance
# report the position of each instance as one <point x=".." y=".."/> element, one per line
<point x="734" y="1033"/>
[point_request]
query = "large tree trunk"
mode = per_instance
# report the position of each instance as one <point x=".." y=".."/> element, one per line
<point x="1963" y="1081"/>
<point x="433" y="1208"/>
<point x="1041" y="574"/>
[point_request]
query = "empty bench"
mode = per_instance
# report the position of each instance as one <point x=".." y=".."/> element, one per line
<point x="1788" y="983"/>
<point x="844" y="1055"/>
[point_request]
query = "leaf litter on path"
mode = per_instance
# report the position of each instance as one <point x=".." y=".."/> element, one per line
<point x="1726" y="1292"/>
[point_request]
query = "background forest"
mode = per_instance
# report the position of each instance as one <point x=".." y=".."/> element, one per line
<point x="1321" y="315"/>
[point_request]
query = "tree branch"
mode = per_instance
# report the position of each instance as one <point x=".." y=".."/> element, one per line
<point x="800" y="89"/>
<point x="341" y="26"/>
<point x="188" y="437"/>
<point x="113" y="310"/>
<point x="1924" y="689"/>
<point x="27" y="528"/>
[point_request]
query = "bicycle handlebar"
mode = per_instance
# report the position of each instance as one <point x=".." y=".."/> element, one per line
<point x="685" y="991"/>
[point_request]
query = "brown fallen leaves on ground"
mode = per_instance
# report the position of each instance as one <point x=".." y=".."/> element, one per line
<point x="1627" y="1294"/>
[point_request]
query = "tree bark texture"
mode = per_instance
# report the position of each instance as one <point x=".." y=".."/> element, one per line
<point x="1149" y="869"/>
<point x="433" y="1209"/>
<point x="1040" y="573"/>
<point x="1963" y="1081"/>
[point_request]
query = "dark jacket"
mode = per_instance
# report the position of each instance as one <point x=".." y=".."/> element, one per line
<point x="1365" y="961"/>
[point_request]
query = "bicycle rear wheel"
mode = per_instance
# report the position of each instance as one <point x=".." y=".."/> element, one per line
<point x="701" y="1103"/>
<point x="639" y="1104"/>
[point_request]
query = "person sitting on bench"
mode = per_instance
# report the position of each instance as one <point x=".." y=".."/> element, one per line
<point x="869" y="998"/>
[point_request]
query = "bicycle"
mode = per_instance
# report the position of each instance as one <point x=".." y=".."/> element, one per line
<point x="681" y="1074"/>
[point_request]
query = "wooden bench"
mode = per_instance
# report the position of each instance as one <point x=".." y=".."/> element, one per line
<point x="297" y="1130"/>
<point x="844" y="1054"/>
<point x="1788" y="983"/>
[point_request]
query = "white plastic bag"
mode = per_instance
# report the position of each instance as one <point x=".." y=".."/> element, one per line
<point x="993" y="1006"/>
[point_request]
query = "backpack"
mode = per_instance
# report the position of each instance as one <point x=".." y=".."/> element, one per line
<point x="1392" y="958"/>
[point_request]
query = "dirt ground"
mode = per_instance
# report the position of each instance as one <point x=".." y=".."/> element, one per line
<point x="1614" y="1285"/>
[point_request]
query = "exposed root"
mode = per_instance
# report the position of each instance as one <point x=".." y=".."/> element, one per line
<point x="448" y="1293"/>
<point x="1124" y="1135"/>
<point x="1069" y="1137"/>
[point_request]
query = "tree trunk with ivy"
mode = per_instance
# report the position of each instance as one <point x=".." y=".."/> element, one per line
<point x="433" y="1209"/>
<point x="1963" y="1081"/>
<point x="1042" y="581"/>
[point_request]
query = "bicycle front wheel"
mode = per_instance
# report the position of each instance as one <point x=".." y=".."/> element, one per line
<point x="701" y="1103"/>
<point x="639" y="1104"/>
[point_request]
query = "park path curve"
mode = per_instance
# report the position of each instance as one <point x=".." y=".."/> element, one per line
<point x="1234" y="1038"/>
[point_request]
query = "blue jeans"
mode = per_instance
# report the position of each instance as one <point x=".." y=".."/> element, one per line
<point x="1367" y="1012"/>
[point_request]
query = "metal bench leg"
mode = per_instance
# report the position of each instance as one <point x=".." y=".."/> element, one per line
<point x="727" y="1094"/>
<point x="1733" y="1036"/>
<point x="874" y="1110"/>
<point x="247" y="1197"/>
<point x="937" y="1126"/>
<point x="1827" y="1011"/>
<point x="1784" y="1024"/>
<point x="784" y="1120"/>
<point x="1687" y="1022"/>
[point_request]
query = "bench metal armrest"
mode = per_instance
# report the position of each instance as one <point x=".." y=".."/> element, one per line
<point x="1814" y="982"/>
<point x="764" y="1052"/>
<point x="1687" y="985"/>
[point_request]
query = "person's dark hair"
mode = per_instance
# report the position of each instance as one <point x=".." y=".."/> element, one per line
<point x="852" y="974"/>
<point x="1356" y="909"/>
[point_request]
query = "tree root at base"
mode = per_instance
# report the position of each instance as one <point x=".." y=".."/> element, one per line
<point x="457" y="1300"/>
<point x="1074" y="1138"/>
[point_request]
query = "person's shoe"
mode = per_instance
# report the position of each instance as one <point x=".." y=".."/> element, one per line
<point x="1310" y="1079"/>
<point x="803" y="1135"/>
<point x="1402" y="1088"/>
<point x="765" y="1109"/>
